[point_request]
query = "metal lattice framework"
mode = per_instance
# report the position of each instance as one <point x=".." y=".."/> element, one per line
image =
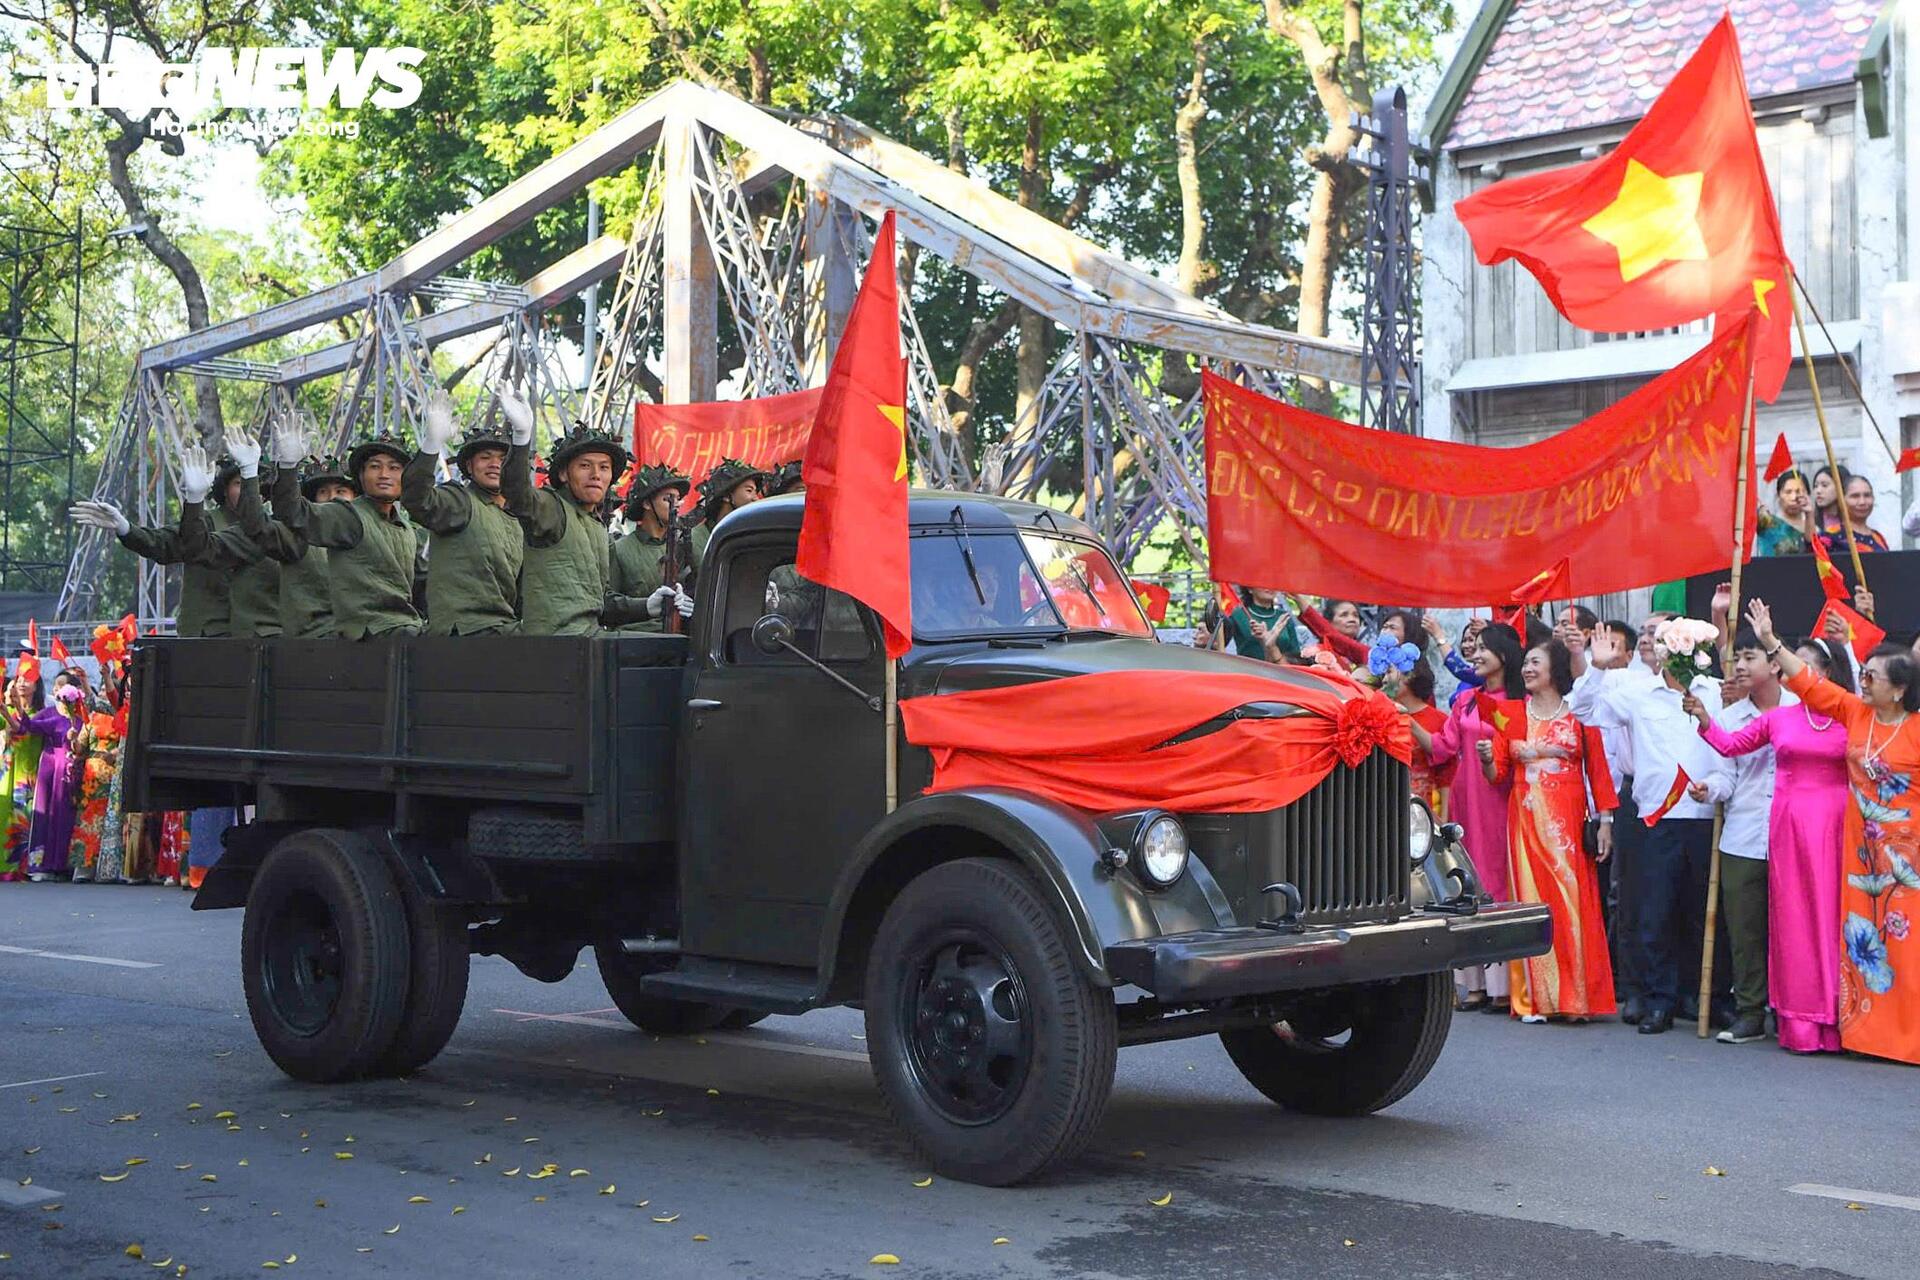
<point x="751" y="234"/>
<point x="1389" y="361"/>
<point x="39" y="391"/>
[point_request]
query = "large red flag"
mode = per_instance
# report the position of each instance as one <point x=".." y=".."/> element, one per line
<point x="1674" y="224"/>
<point x="853" y="535"/>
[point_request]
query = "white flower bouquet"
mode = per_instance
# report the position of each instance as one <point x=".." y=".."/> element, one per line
<point x="1684" y="648"/>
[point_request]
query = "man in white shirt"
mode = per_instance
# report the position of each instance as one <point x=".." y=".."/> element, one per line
<point x="1667" y="885"/>
<point x="1743" y="837"/>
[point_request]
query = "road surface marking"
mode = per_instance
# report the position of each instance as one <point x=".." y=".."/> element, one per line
<point x="1849" y="1193"/>
<point x="15" y="1196"/>
<point x="745" y="1038"/>
<point x="61" y="955"/>
<point x="21" y="1084"/>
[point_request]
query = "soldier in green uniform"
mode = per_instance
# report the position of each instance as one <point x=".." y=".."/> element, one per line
<point x="640" y="559"/>
<point x="306" y="602"/>
<point x="785" y="478"/>
<point x="565" y="579"/>
<point x="730" y="485"/>
<point x="206" y="586"/>
<point x="473" y="564"/>
<point x="369" y="540"/>
<point x="253" y="589"/>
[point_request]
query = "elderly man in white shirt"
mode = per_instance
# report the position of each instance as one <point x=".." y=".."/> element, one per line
<point x="1668" y="883"/>
<point x="1743" y="837"/>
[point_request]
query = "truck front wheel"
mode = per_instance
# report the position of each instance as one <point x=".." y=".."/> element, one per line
<point x="325" y="956"/>
<point x="1351" y="1051"/>
<point x="657" y="1014"/>
<point x="991" y="1047"/>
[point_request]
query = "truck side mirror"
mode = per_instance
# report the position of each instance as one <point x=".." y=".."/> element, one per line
<point x="772" y="634"/>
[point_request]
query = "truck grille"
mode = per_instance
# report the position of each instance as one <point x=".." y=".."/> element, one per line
<point x="1343" y="845"/>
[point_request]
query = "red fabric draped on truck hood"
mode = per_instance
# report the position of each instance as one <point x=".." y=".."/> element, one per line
<point x="1101" y="741"/>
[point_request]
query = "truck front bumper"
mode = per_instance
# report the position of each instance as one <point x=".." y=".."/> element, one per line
<point x="1216" y="964"/>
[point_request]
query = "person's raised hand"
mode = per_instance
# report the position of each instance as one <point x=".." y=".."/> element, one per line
<point x="1431" y="625"/>
<point x="435" y="427"/>
<point x="1722" y="600"/>
<point x="1837" y="629"/>
<point x="243" y="446"/>
<point x="1760" y="618"/>
<point x="1863" y="600"/>
<point x="288" y="443"/>
<point x="100" y="514"/>
<point x="196" y="472"/>
<point x="1606" y="650"/>
<point x="519" y="415"/>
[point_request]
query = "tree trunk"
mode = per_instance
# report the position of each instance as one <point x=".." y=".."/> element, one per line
<point x="1339" y="74"/>
<point x="1032" y="355"/>
<point x="193" y="290"/>
<point x="1194" y="269"/>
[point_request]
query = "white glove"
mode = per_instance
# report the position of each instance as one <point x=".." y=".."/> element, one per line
<point x="244" y="446"/>
<point x="519" y="415"/>
<point x="289" y="444"/>
<point x="100" y="515"/>
<point x="436" y="426"/>
<point x="196" y="473"/>
<point x="657" y="602"/>
<point x="683" y="602"/>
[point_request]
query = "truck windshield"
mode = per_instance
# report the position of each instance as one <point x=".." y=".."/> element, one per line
<point x="1018" y="583"/>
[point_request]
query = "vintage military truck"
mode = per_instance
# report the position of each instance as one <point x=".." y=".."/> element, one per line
<point x="708" y="813"/>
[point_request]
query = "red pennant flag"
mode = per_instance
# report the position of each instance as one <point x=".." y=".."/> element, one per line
<point x="1154" y="600"/>
<point x="1513" y="616"/>
<point x="33" y="635"/>
<point x="1782" y="460"/>
<point x="30" y="668"/>
<point x="1831" y="581"/>
<point x="1226" y="597"/>
<point x="1675" y="794"/>
<point x="1548" y="584"/>
<point x="1674" y="224"/>
<point x="1507" y="717"/>
<point x="1863" y="636"/>
<point x="1909" y="459"/>
<point x="59" y="651"/>
<point x="853" y="531"/>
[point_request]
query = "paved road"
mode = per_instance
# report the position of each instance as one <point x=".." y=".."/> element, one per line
<point x="1530" y="1151"/>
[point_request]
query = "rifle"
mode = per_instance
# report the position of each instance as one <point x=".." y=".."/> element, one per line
<point x="671" y="568"/>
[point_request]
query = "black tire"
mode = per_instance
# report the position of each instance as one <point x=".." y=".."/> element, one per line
<point x="657" y="1014"/>
<point x="324" y="956"/>
<point x="740" y="1020"/>
<point x="437" y="989"/>
<point x="993" y="1050"/>
<point x="1393" y="1034"/>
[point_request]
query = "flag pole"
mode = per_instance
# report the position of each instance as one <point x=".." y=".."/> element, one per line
<point x="1711" y="932"/>
<point x="1826" y="439"/>
<point x="892" y="707"/>
<point x="1846" y="366"/>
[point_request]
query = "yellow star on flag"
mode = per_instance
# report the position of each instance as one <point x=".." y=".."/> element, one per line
<point x="1761" y="288"/>
<point x="897" y="415"/>
<point x="1652" y="220"/>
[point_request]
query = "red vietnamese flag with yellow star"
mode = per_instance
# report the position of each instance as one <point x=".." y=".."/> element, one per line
<point x="1673" y="797"/>
<point x="1831" y="582"/>
<point x="853" y="531"/>
<point x="1674" y="224"/>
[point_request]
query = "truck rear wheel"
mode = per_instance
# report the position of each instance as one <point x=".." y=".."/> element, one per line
<point x="324" y="956"/>
<point x="658" y="1014"/>
<point x="1354" y="1051"/>
<point x="441" y="963"/>
<point x="992" y="1049"/>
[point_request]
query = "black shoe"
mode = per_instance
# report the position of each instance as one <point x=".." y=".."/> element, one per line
<point x="1721" y="1015"/>
<point x="1632" y="1009"/>
<point x="1746" y="1028"/>
<point x="1688" y="1010"/>
<point x="1656" y="1021"/>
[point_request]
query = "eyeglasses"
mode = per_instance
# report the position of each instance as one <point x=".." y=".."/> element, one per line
<point x="1867" y="677"/>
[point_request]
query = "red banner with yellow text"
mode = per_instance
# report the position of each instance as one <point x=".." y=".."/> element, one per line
<point x="693" y="438"/>
<point x="1642" y="492"/>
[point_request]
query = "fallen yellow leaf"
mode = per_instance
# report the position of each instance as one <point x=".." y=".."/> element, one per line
<point x="641" y="1204"/>
<point x="207" y="1177"/>
<point x="1163" y="1201"/>
<point x="666" y="1217"/>
<point x="539" y="1199"/>
<point x="392" y="1230"/>
<point x="713" y="1093"/>
<point x="343" y="1155"/>
<point x="485" y="1159"/>
<point x="128" y="1118"/>
<point x="319" y="1204"/>
<point x="135" y="1251"/>
<point x="884" y="1260"/>
<point x="508" y="1173"/>
<point x="271" y="1266"/>
<point x="1713" y="1171"/>
<point x="607" y="1190"/>
<point x="1347" y="1243"/>
<point x="32" y="1151"/>
<point x="115" y="1177"/>
<point x="924" y="1182"/>
<point x="577" y="1173"/>
<point x="137" y="1160"/>
<point x="292" y="1258"/>
<point x="360" y="1250"/>
<point x="702" y="1238"/>
<point x="1136" y="1155"/>
<point x="183" y="1167"/>
<point x="193" y="1106"/>
<point x="66" y="1111"/>
<point x="1001" y="1240"/>
<point x="1855" y="1206"/>
<point x="225" y="1115"/>
<point x="469" y="1102"/>
<point x="163" y="1264"/>
<point x="459" y="1208"/>
<point x="243" y="1164"/>
<point x="418" y="1200"/>
<point x="223" y="1053"/>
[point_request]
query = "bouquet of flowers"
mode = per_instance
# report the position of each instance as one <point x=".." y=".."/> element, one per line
<point x="1684" y="648"/>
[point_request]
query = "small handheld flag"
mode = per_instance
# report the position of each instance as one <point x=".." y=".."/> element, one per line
<point x="1154" y="600"/>
<point x="1909" y="459"/>
<point x="1831" y="581"/>
<point x="1782" y="460"/>
<point x="58" y="649"/>
<point x="1863" y="637"/>
<point x="1507" y="717"/>
<point x="1548" y="584"/>
<point x="1675" y="794"/>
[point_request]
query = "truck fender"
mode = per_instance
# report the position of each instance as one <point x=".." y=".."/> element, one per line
<point x="1060" y="846"/>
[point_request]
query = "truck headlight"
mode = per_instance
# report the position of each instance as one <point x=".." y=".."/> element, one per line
<point x="1422" y="831"/>
<point x="1160" y="850"/>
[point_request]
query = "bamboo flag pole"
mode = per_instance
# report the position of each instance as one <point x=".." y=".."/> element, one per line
<point x="1826" y="438"/>
<point x="1846" y="367"/>
<point x="892" y="697"/>
<point x="1711" y="932"/>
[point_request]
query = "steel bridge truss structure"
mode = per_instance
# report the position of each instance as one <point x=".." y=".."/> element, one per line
<point x="752" y="231"/>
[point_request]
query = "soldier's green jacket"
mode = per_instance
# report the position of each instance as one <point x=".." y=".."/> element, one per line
<point x="370" y="565"/>
<point x="565" y="576"/>
<point x="473" y="566"/>
<point x="639" y="570"/>
<point x="306" y="602"/>
<point x="253" y="591"/>
<point x="205" y="608"/>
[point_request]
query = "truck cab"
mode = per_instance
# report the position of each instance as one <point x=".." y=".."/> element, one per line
<point x="734" y="823"/>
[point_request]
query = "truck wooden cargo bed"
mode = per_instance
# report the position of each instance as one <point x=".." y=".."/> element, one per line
<point x="584" y="726"/>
